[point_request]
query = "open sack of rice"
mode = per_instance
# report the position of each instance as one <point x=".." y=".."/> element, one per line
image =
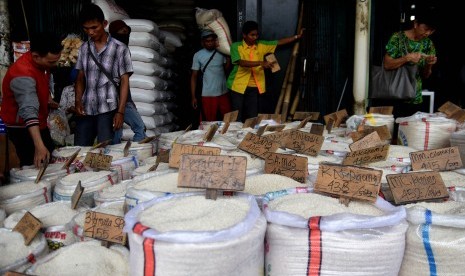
<point x="312" y="234"/>
<point x="82" y="258"/>
<point x="186" y="234"/>
<point x="16" y="256"/>
<point x="24" y="195"/>
<point x="55" y="218"/>
<point x="435" y="239"/>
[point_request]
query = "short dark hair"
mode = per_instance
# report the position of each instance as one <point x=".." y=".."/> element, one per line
<point x="90" y="12"/>
<point x="427" y="16"/>
<point x="249" y="26"/>
<point x="45" y="42"/>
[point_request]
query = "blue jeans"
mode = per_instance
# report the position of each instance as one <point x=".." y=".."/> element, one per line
<point x="89" y="127"/>
<point x="134" y="120"/>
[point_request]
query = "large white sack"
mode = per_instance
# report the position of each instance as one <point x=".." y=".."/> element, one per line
<point x="155" y="121"/>
<point x="147" y="82"/>
<point x="143" y="25"/>
<point x="144" y="54"/>
<point x="151" y="95"/>
<point x="435" y="239"/>
<point x="171" y="38"/>
<point x="203" y="17"/>
<point x="148" y="69"/>
<point x="144" y="39"/>
<point x="425" y="131"/>
<point x="149" y="109"/>
<point x="220" y="27"/>
<point x="111" y="10"/>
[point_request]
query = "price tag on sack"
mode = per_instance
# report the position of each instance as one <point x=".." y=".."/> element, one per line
<point x="28" y="226"/>
<point x="349" y="181"/>
<point x="444" y="159"/>
<point x="416" y="186"/>
<point x="104" y="227"/>
<point x="212" y="173"/>
<point x="179" y="149"/>
<point x="365" y="156"/>
<point x="292" y="166"/>
<point x="258" y="145"/>
<point x="98" y="161"/>
<point x="303" y="142"/>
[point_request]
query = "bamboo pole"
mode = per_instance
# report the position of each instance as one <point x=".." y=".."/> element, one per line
<point x="295" y="52"/>
<point x="295" y="103"/>
<point x="283" y="89"/>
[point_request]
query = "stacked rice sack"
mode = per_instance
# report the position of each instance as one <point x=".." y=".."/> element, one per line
<point x="213" y="20"/>
<point x="150" y="82"/>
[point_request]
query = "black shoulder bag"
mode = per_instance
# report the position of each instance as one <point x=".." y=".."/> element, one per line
<point x="397" y="84"/>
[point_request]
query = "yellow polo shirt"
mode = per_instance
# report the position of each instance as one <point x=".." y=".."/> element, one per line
<point x="240" y="76"/>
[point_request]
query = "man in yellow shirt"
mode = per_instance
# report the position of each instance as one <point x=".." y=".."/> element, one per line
<point x="247" y="79"/>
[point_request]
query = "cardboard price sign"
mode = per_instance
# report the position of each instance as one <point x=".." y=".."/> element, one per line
<point x="329" y="125"/>
<point x="306" y="143"/>
<point x="179" y="149"/>
<point x="369" y="141"/>
<point x="163" y="156"/>
<point x="349" y="181"/>
<point x="416" y="186"/>
<point x="383" y="132"/>
<point x="338" y="117"/>
<point x="275" y="128"/>
<point x="211" y="132"/>
<point x="231" y="116"/>
<point x="250" y="122"/>
<point x="98" y="161"/>
<point x="295" y="167"/>
<point x="303" y="123"/>
<point x="453" y="111"/>
<point x="368" y="155"/>
<point x="212" y="172"/>
<point x="261" y="130"/>
<point x="445" y="159"/>
<point x="298" y="115"/>
<point x="274" y="117"/>
<point x="317" y="129"/>
<point x="449" y="108"/>
<point x="271" y="58"/>
<point x="279" y="137"/>
<point x="28" y="226"/>
<point x="257" y="145"/>
<point x="386" y="110"/>
<point x="76" y="195"/>
<point x="104" y="227"/>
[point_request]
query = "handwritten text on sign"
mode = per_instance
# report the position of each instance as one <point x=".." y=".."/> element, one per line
<point x="305" y="143"/>
<point x="213" y="172"/>
<point x="279" y="137"/>
<point x="369" y="141"/>
<point x="257" y="145"/>
<point x="368" y="155"/>
<point x="295" y="167"/>
<point x="444" y="159"/>
<point x="349" y="181"/>
<point x="98" y="161"/>
<point x="180" y="149"/>
<point x="104" y="227"/>
<point x="418" y="186"/>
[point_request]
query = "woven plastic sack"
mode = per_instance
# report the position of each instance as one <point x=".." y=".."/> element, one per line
<point x="38" y="248"/>
<point x="142" y="25"/>
<point x="424" y="131"/>
<point x="14" y="197"/>
<point x="435" y="239"/>
<point x="236" y="250"/>
<point x="335" y="244"/>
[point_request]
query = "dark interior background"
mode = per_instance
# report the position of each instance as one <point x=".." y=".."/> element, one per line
<point x="327" y="47"/>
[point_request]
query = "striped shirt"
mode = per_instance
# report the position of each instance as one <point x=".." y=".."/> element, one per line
<point x="100" y="95"/>
<point x="240" y="76"/>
